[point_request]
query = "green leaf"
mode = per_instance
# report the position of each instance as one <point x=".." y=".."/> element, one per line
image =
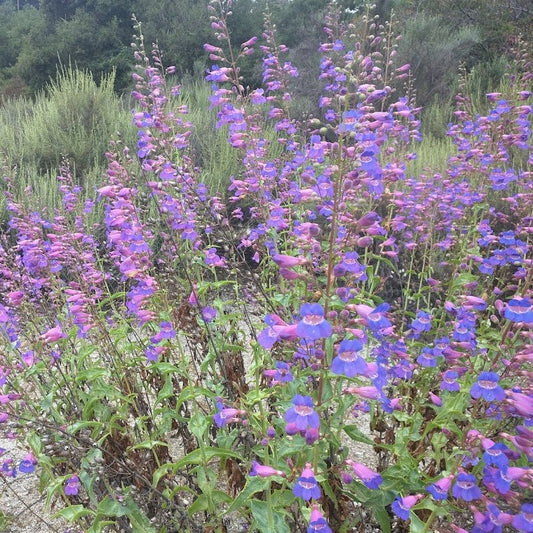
<point x="200" y="504"/>
<point x="163" y="471"/>
<point x="261" y="513"/>
<point x="202" y="456"/>
<point x="253" y="486"/>
<point x="111" y="507"/>
<point x="73" y="512"/>
<point x="292" y="447"/>
<point x="90" y="375"/>
<point x="140" y="521"/>
<point x="383" y="519"/>
<point x="166" y="392"/>
<point x="164" y="368"/>
<point x="99" y="524"/>
<point x="148" y="445"/>
<point x="327" y="390"/>
<point x="356" y="434"/>
<point x="328" y="491"/>
<point x="416" y="526"/>
<point x="82" y="424"/>
<point x="219" y="496"/>
<point x="34" y="442"/>
<point x="199" y="424"/>
<point x="282" y="498"/>
<point x="191" y="393"/>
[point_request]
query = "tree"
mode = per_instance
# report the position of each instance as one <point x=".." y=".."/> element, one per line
<point x="435" y="51"/>
<point x="179" y="28"/>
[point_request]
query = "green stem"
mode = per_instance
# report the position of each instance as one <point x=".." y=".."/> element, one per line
<point x="429" y="521"/>
<point x="270" y="516"/>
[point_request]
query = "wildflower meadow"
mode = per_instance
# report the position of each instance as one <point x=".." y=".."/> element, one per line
<point x="182" y="357"/>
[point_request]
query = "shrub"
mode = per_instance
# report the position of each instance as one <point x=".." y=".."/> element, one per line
<point x="74" y="118"/>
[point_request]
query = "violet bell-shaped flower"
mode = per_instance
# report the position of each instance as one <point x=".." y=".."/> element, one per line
<point x="306" y="486"/>
<point x="348" y="362"/>
<point x="277" y="329"/>
<point x="401" y="506"/>
<point x="317" y="523"/>
<point x="439" y="490"/>
<point x="313" y="325"/>
<point x="375" y="318"/>
<point x="487" y="387"/>
<point x="369" y="478"/>
<point x="227" y="415"/>
<point x="264" y="470"/>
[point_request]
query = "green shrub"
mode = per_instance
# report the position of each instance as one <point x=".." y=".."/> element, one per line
<point x="73" y="118"/>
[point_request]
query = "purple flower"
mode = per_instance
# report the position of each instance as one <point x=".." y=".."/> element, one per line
<point x="439" y="490"/>
<point x="487" y="387"/>
<point x="313" y="325"/>
<point x="166" y="331"/>
<point x="281" y="374"/>
<point x="465" y="488"/>
<point x="306" y="486"/>
<point x="401" y="506"/>
<point x="8" y="469"/>
<point x="350" y="264"/>
<point x="521" y="403"/>
<point x="227" y="415"/>
<point x="500" y="478"/>
<point x="349" y="120"/>
<point x="436" y="400"/>
<point x="72" y="486"/>
<point x="375" y="318"/>
<point x="209" y="313"/>
<point x="524" y="520"/>
<point x="464" y="331"/>
<point x="302" y="415"/>
<point x="495" y="455"/>
<point x="473" y="302"/>
<point x="421" y="323"/>
<point x="288" y="261"/>
<point x="502" y="178"/>
<point x="318" y="523"/>
<point x="449" y="381"/>
<point x="277" y="329"/>
<point x="497" y="517"/>
<point x="403" y="370"/>
<point x="264" y="471"/>
<point x="519" y="310"/>
<point x="27" y="465"/>
<point x="347" y="362"/>
<point x="369" y="478"/>
<point x="153" y="352"/>
<point x="53" y="335"/>
<point x="427" y="358"/>
<point x="213" y="259"/>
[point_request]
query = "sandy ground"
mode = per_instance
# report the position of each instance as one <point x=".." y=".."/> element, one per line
<point x="21" y="502"/>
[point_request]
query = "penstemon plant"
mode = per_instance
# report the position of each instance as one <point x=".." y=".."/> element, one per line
<point x="336" y="345"/>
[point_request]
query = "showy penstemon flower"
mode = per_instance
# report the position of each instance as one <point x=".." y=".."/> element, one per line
<point x="72" y="486"/>
<point x="317" y="522"/>
<point x="306" y="485"/>
<point x="313" y="325"/>
<point x="302" y="418"/>
<point x="227" y="415"/>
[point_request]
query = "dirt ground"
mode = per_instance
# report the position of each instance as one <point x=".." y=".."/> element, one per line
<point x="21" y="506"/>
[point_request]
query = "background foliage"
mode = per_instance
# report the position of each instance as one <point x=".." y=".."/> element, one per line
<point x="96" y="34"/>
